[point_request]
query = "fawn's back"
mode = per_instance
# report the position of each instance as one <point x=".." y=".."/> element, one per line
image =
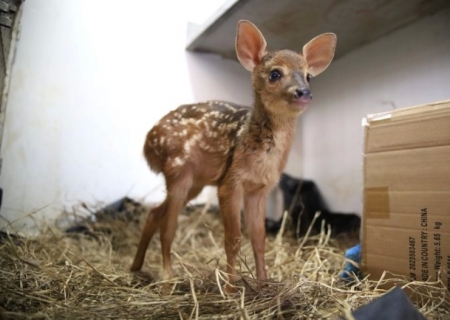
<point x="197" y="137"/>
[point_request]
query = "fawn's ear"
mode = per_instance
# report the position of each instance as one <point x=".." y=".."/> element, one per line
<point x="319" y="52"/>
<point x="250" y="44"/>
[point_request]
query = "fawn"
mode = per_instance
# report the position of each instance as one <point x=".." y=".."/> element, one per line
<point x="241" y="150"/>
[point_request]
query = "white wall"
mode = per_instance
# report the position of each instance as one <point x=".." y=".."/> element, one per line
<point x="89" y="80"/>
<point x="91" y="77"/>
<point x="408" y="67"/>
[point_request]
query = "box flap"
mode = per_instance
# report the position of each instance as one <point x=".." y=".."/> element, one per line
<point x="415" y="127"/>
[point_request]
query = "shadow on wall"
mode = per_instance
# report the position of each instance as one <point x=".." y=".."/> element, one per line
<point x="214" y="78"/>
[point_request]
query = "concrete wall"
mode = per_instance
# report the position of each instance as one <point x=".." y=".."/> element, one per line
<point x="89" y="80"/>
<point x="408" y="67"/>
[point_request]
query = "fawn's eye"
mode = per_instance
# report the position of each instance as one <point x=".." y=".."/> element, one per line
<point x="308" y="78"/>
<point x="274" y="75"/>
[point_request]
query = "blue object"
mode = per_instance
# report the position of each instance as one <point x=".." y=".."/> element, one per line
<point x="354" y="254"/>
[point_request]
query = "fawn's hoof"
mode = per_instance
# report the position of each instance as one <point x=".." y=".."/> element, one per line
<point x="230" y="289"/>
<point x="167" y="288"/>
<point x="135" y="267"/>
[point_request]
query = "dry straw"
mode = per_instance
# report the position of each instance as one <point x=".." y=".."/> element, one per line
<point x="56" y="275"/>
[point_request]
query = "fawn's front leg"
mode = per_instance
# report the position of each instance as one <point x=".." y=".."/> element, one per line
<point x="255" y="214"/>
<point x="230" y="201"/>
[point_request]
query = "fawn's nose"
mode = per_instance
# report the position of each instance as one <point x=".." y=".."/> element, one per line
<point x="303" y="93"/>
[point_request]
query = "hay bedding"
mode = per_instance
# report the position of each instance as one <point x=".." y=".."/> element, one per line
<point x="57" y="275"/>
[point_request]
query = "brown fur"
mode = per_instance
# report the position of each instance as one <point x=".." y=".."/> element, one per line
<point x="241" y="150"/>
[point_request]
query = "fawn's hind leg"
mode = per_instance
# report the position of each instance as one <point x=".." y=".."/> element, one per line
<point x="165" y="217"/>
<point x="178" y="197"/>
<point x="152" y="225"/>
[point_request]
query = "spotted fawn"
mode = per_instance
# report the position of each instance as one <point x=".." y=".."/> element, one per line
<point x="239" y="149"/>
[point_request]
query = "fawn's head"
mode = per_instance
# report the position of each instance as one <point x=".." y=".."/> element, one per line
<point x="281" y="78"/>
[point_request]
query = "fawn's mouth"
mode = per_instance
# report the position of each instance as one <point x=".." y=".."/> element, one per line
<point x="301" y="103"/>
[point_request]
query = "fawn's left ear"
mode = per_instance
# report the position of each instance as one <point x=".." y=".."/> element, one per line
<point x="319" y="52"/>
<point x="250" y="44"/>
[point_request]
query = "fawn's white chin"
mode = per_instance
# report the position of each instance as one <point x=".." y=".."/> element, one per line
<point x="300" y="104"/>
<point x="301" y="101"/>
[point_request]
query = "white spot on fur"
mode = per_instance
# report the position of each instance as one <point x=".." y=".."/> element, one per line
<point x="196" y="137"/>
<point x="187" y="147"/>
<point x="212" y="134"/>
<point x="241" y="130"/>
<point x="185" y="122"/>
<point x="191" y="142"/>
<point x="205" y="146"/>
<point x="232" y="126"/>
<point x="178" y="161"/>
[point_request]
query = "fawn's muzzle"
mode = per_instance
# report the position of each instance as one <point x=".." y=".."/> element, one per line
<point x="302" y="95"/>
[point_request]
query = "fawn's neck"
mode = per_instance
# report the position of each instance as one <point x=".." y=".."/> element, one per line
<point x="269" y="131"/>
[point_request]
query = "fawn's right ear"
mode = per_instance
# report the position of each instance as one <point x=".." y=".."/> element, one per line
<point x="250" y="44"/>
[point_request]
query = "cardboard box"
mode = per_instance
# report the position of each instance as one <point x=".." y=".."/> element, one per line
<point x="406" y="217"/>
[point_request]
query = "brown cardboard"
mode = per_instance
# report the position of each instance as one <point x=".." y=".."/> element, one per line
<point x="406" y="217"/>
